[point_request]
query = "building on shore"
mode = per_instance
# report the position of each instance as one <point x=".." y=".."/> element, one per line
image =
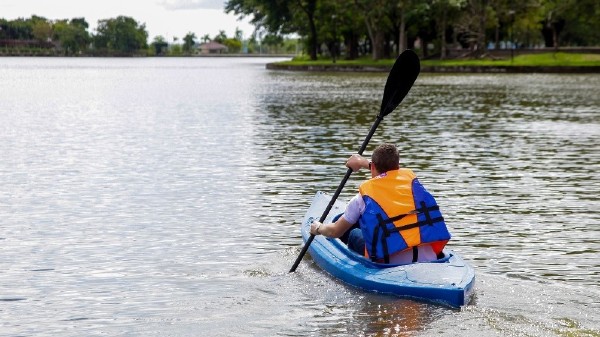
<point x="212" y="47"/>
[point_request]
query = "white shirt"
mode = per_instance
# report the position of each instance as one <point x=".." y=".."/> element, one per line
<point x="354" y="209"/>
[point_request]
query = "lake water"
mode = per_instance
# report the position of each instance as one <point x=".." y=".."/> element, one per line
<point x="163" y="197"/>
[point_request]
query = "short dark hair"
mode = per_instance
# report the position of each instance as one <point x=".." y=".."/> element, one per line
<point x="386" y="157"/>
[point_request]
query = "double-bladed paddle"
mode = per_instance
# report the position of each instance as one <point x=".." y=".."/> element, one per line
<point x="401" y="78"/>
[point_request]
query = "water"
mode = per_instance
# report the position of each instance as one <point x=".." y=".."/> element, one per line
<point x="155" y="197"/>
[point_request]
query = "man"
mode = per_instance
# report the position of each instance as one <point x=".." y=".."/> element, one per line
<point x="399" y="220"/>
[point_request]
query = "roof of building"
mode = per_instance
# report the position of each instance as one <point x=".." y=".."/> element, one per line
<point x="212" y="45"/>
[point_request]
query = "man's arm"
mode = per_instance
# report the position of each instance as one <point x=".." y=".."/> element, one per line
<point x="330" y="230"/>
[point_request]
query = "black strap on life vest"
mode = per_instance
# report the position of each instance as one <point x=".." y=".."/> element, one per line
<point x="373" y="253"/>
<point x="415" y="254"/>
<point x="382" y="225"/>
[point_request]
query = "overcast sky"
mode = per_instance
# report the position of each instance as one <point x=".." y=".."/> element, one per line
<point x="169" y="18"/>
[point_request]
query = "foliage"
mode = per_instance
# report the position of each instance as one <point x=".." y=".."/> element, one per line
<point x="542" y="59"/>
<point x="159" y="47"/>
<point x="205" y="38"/>
<point x="233" y="45"/>
<point x="189" y="41"/>
<point x="381" y="28"/>
<point x="41" y="30"/>
<point x="19" y="29"/>
<point x="221" y="37"/>
<point x="346" y="29"/>
<point x="72" y="35"/>
<point x="176" y="50"/>
<point x="281" y="17"/>
<point x="122" y="35"/>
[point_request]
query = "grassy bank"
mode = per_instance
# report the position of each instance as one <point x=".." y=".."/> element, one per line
<point x="559" y="59"/>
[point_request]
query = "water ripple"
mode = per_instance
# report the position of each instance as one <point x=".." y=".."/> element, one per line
<point x="163" y="196"/>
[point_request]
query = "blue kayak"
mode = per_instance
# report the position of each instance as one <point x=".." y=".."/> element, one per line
<point x="448" y="281"/>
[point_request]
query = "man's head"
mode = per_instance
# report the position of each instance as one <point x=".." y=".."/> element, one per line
<point x="386" y="158"/>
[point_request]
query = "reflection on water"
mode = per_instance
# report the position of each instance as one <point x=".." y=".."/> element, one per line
<point x="163" y="196"/>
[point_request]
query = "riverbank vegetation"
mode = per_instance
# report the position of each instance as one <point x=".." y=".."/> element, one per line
<point x="438" y="28"/>
<point x="123" y="36"/>
<point x="560" y="59"/>
<point x="338" y="29"/>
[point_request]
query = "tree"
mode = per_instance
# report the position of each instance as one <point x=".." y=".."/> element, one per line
<point x="238" y="35"/>
<point x="385" y="24"/>
<point x="233" y="45"/>
<point x="281" y="17"/>
<point x="570" y="22"/>
<point x="472" y="25"/>
<point x="273" y="42"/>
<point x="309" y="8"/>
<point x="583" y="24"/>
<point x="189" y="40"/>
<point x="339" y="22"/>
<point x="19" y="29"/>
<point x="445" y="12"/>
<point x="389" y="23"/>
<point x="175" y="50"/>
<point x="160" y="45"/>
<point x="72" y="35"/>
<point x="374" y="12"/>
<point x="41" y="29"/>
<point x="221" y="37"/>
<point x="554" y="20"/>
<point x="122" y="35"/>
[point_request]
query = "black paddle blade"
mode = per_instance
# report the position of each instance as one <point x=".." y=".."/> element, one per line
<point x="401" y="78"/>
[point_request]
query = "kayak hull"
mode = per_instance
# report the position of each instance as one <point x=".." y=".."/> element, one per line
<point x="448" y="281"/>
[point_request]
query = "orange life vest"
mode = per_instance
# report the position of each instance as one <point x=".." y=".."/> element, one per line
<point x="399" y="214"/>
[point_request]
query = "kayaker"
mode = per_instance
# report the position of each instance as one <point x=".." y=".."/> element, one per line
<point x="393" y="218"/>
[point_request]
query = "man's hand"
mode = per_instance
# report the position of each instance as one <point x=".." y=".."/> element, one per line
<point x="356" y="162"/>
<point x="314" y="228"/>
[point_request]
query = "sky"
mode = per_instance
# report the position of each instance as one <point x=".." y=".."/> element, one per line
<point x="169" y="18"/>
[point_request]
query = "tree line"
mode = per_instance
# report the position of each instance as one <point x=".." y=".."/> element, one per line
<point x="116" y="36"/>
<point x="120" y="36"/>
<point x="384" y="27"/>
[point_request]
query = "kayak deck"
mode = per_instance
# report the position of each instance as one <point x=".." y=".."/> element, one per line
<point x="449" y="280"/>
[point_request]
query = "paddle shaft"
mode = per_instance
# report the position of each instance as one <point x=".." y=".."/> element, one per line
<point x="337" y="193"/>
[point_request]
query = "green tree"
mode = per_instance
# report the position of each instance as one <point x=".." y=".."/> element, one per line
<point x="308" y="7"/>
<point x="41" y="29"/>
<point x="341" y="24"/>
<point x="238" y="35"/>
<point x="445" y="13"/>
<point x="19" y="29"/>
<point x="381" y="26"/>
<point x="472" y="25"/>
<point x="159" y="45"/>
<point x="570" y="22"/>
<point x="583" y="24"/>
<point x="72" y="35"/>
<point x="221" y="37"/>
<point x="175" y="50"/>
<point x="281" y="17"/>
<point x="273" y="42"/>
<point x="122" y="35"/>
<point x="377" y="21"/>
<point x="189" y="40"/>
<point x="233" y="45"/>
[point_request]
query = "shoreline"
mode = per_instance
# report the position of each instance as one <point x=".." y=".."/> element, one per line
<point x="254" y="55"/>
<point x="444" y="69"/>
